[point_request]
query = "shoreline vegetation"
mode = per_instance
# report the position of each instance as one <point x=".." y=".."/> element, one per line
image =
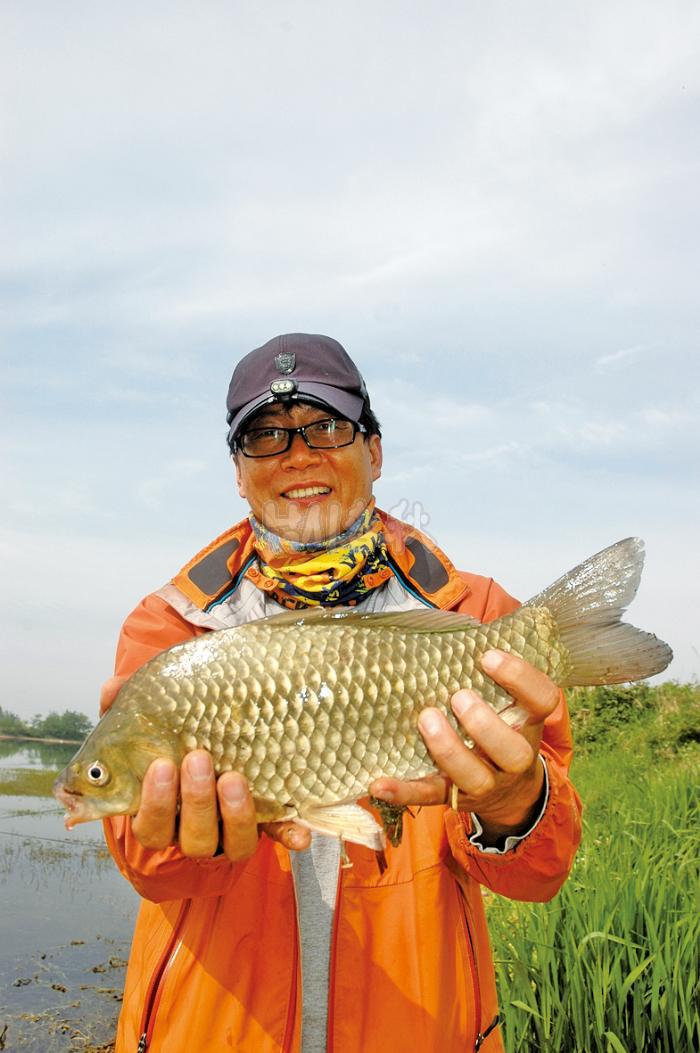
<point x="67" y="727"/>
<point x="36" y="738"/>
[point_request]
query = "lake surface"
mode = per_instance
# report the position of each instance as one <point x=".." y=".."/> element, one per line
<point x="66" y="918"/>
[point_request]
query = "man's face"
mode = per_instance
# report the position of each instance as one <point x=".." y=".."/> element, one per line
<point x="308" y="494"/>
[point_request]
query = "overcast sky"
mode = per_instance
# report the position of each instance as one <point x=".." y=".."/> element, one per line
<point x="493" y="206"/>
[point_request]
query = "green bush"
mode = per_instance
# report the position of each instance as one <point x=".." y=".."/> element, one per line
<point x="10" y="724"/>
<point x="597" y="711"/>
<point x="660" y="720"/>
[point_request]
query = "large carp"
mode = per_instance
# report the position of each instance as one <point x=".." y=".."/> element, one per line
<point x="312" y="706"/>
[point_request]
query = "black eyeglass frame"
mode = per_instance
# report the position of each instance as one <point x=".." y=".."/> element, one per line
<point x="291" y="432"/>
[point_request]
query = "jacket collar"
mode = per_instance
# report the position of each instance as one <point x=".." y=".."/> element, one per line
<point x="421" y="566"/>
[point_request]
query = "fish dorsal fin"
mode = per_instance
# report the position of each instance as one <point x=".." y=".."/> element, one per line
<point x="423" y="620"/>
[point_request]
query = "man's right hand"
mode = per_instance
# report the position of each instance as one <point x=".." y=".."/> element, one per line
<point x="203" y="801"/>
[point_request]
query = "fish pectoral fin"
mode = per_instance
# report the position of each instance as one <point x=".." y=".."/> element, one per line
<point x="268" y="810"/>
<point x="349" y="822"/>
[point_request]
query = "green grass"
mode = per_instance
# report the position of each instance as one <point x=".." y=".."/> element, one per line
<point x="612" y="964"/>
<point x="21" y="782"/>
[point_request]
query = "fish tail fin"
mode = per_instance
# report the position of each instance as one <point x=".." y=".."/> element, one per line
<point x="587" y="605"/>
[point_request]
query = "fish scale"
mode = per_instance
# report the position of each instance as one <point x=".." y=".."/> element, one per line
<point x="312" y="707"/>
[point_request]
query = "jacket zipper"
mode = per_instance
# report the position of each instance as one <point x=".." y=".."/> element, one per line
<point x="485" y="1034"/>
<point x="155" y="987"/>
<point x="478" y="1037"/>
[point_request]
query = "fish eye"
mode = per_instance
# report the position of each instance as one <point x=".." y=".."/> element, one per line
<point x="97" y="774"/>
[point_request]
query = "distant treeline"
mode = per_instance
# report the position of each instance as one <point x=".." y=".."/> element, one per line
<point x="68" y="725"/>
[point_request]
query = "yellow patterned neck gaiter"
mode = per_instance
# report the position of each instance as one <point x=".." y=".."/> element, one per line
<point x="337" y="572"/>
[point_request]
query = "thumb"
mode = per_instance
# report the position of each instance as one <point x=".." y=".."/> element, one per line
<point x="294" y="837"/>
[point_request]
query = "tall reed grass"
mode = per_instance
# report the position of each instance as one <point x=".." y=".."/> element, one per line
<point x="612" y="964"/>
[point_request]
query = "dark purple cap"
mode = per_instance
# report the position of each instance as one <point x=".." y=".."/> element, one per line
<point x="295" y="367"/>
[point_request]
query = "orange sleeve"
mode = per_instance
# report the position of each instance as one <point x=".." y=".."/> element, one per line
<point x="151" y="627"/>
<point x="537" y="867"/>
<point x="159" y="874"/>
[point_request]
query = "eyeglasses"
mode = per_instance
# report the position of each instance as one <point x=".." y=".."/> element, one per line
<point x="327" y="434"/>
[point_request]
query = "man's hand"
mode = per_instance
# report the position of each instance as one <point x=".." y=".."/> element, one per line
<point x="203" y="801"/>
<point x="501" y="779"/>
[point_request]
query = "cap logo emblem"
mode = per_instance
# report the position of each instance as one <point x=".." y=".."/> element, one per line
<point x="285" y="362"/>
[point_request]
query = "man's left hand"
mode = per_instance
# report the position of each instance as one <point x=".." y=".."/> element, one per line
<point x="501" y="779"/>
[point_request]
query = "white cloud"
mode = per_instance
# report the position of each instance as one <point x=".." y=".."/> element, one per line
<point x="617" y="356"/>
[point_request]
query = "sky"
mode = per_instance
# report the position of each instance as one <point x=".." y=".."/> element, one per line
<point x="493" y="206"/>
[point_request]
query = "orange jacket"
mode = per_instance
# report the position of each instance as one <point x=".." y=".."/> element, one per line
<point x="214" y="964"/>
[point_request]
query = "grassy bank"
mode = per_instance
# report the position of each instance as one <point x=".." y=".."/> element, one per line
<point x="22" y="782"/>
<point x="612" y="964"/>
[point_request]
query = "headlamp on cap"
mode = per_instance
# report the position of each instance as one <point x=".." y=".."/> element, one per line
<point x="283" y="389"/>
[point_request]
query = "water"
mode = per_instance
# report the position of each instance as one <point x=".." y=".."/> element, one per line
<point x="65" y="921"/>
<point x="34" y="756"/>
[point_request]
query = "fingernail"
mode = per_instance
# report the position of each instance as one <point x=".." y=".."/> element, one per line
<point x="492" y="660"/>
<point x="234" y="791"/>
<point x="163" y="773"/>
<point x="429" y="722"/>
<point x="199" y="766"/>
<point x="462" y="703"/>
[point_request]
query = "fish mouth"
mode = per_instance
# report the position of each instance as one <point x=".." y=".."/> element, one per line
<point x="67" y="797"/>
<point x="78" y="809"/>
<point x="82" y="807"/>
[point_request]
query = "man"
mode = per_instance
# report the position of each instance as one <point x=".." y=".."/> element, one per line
<point x="246" y="942"/>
